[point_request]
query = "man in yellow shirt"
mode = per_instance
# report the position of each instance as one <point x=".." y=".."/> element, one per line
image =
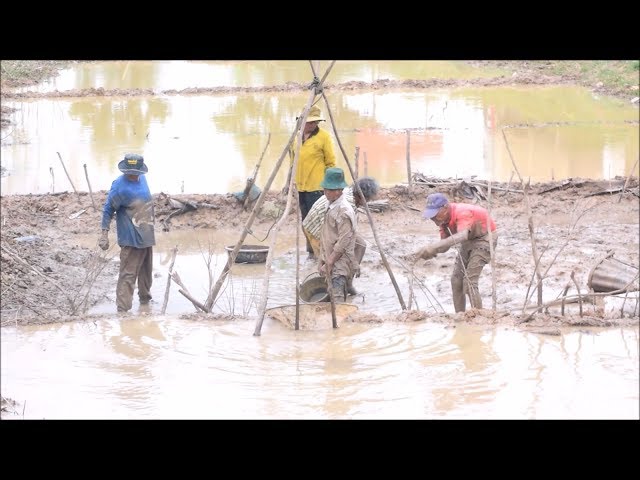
<point x="316" y="155"/>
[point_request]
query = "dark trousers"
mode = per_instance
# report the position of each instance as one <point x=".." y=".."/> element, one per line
<point x="135" y="264"/>
<point x="306" y="201"/>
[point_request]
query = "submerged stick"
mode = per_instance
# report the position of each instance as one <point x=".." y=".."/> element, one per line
<point x="166" y="292"/>
<point x="89" y="184"/>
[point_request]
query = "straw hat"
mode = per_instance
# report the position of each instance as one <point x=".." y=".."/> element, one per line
<point x="315" y="115"/>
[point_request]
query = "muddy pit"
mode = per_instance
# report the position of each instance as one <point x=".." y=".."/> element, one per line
<point x="49" y="276"/>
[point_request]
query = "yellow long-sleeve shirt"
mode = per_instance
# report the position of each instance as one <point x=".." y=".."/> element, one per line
<point x="316" y="155"/>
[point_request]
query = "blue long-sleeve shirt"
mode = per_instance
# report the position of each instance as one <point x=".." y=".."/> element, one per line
<point x="132" y="204"/>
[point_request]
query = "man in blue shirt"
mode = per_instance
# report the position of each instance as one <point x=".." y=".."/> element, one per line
<point x="130" y="200"/>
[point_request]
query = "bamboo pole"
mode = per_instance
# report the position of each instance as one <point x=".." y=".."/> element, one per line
<point x="86" y="174"/>
<point x="166" y="292"/>
<point x="366" y="206"/>
<point x="245" y="231"/>
<point x="298" y="227"/>
<point x="67" y="173"/>
<point x="365" y="165"/>
<point x="300" y="131"/>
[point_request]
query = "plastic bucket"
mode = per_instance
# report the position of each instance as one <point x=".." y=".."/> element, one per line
<point x="314" y="289"/>
<point x="610" y="274"/>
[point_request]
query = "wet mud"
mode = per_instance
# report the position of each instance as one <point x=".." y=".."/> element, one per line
<point x="48" y="276"/>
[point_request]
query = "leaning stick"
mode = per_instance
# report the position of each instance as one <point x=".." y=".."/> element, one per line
<point x="252" y="180"/>
<point x="534" y="248"/>
<point x="356" y="161"/>
<point x="327" y="276"/>
<point x="183" y="290"/>
<point x="245" y="231"/>
<point x="298" y="132"/>
<point x="298" y="226"/>
<point x="627" y="181"/>
<point x="195" y="302"/>
<point x="89" y="184"/>
<point x="166" y="292"/>
<point x="573" y="277"/>
<point x="409" y="159"/>
<point x="366" y="207"/>
<point x="491" y="253"/>
<point x="65" y="171"/>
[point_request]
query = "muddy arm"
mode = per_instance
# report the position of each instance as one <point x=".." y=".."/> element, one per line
<point x="443" y="245"/>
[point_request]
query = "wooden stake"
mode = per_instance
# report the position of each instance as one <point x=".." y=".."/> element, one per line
<point x="366" y="165"/>
<point x="356" y="162"/>
<point x="491" y="253"/>
<point x="53" y="182"/>
<point x="409" y="159"/>
<point x="252" y="180"/>
<point x="366" y="207"/>
<point x="89" y="184"/>
<point x="534" y="249"/>
<point x="300" y="132"/>
<point x="627" y="181"/>
<point x="166" y="292"/>
<point x="298" y="227"/>
<point x="67" y="173"/>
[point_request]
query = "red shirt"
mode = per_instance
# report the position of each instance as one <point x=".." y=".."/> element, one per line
<point x="465" y="215"/>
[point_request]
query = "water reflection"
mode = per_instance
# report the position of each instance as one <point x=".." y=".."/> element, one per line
<point x="179" y="74"/>
<point x="559" y="132"/>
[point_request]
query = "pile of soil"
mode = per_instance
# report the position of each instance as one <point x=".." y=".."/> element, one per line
<point x="575" y="222"/>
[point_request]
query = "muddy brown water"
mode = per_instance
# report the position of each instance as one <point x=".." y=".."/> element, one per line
<point x="152" y="367"/>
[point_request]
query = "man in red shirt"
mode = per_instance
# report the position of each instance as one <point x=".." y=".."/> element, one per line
<point x="466" y="226"/>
